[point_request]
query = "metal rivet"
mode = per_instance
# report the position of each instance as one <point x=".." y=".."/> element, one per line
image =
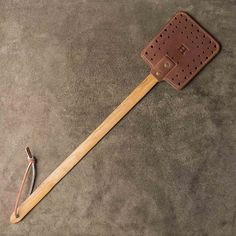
<point x="167" y="65"/>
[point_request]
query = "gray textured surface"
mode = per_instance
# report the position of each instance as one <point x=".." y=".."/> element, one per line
<point x="168" y="168"/>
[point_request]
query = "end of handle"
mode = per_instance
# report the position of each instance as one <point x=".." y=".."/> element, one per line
<point x="14" y="219"/>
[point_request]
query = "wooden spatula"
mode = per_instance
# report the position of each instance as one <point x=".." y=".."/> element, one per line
<point x="176" y="55"/>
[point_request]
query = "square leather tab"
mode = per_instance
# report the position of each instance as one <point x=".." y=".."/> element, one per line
<point x="186" y="44"/>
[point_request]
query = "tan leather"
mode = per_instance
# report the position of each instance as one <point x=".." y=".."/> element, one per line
<point x="184" y="44"/>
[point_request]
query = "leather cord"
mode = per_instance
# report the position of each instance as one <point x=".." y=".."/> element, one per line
<point x="31" y="164"/>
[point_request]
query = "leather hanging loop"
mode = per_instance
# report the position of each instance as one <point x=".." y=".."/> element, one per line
<point x="31" y="165"/>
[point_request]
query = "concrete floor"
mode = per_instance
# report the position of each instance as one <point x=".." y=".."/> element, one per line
<point x="168" y="168"/>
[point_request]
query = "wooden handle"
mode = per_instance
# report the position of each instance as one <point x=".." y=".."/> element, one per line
<point x="47" y="185"/>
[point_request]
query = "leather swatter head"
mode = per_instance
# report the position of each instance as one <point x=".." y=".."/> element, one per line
<point x="180" y="50"/>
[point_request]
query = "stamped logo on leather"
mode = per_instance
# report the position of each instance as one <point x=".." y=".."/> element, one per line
<point x="182" y="49"/>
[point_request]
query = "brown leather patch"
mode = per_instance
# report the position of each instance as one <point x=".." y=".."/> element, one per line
<point x="188" y="46"/>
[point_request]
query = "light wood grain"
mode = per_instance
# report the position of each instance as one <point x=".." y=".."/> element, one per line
<point x="47" y="185"/>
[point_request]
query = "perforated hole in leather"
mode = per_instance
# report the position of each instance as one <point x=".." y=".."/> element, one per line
<point x="185" y="42"/>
